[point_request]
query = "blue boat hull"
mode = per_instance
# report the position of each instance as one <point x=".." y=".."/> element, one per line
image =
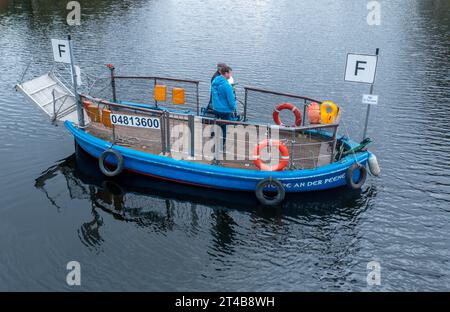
<point x="326" y="177"/>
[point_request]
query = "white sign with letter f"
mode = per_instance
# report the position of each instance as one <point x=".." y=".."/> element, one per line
<point x="61" y="51"/>
<point x="361" y="68"/>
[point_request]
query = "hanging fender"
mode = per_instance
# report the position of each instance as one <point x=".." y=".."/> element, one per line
<point x="102" y="163"/>
<point x="277" y="189"/>
<point x="374" y="167"/>
<point x="356" y="185"/>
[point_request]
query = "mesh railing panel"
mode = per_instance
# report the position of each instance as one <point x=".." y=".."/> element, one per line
<point x="142" y="90"/>
<point x="261" y="105"/>
<point x="184" y="135"/>
<point x="308" y="148"/>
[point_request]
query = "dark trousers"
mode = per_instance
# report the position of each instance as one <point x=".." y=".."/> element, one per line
<point x="224" y="116"/>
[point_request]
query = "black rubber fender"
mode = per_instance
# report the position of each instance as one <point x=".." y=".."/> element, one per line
<point x="362" y="176"/>
<point x="270" y="200"/>
<point x="104" y="169"/>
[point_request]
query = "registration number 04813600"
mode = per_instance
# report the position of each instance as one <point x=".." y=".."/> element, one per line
<point x="135" y="121"/>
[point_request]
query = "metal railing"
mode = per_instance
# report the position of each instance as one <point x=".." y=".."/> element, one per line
<point x="193" y="85"/>
<point x="303" y="100"/>
<point x="309" y="146"/>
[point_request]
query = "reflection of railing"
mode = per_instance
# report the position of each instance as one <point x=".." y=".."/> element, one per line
<point x="309" y="146"/>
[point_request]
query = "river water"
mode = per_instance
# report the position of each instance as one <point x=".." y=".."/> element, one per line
<point x="145" y="235"/>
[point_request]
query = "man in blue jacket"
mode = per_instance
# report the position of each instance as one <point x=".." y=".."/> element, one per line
<point x="223" y="97"/>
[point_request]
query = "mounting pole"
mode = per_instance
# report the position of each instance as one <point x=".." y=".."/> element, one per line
<point x="377" y="52"/>
<point x="113" y="81"/>
<point x="74" y="84"/>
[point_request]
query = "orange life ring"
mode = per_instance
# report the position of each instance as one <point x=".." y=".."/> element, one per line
<point x="292" y="108"/>
<point x="284" y="161"/>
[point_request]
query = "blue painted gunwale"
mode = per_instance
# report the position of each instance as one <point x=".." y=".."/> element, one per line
<point x="204" y="175"/>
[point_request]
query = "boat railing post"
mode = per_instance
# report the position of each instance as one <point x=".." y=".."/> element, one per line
<point x="269" y="139"/>
<point x="304" y="112"/>
<point x="215" y="161"/>
<point x="314" y="159"/>
<point x="217" y="140"/>
<point x="291" y="154"/>
<point x="192" y="135"/>
<point x="163" y="133"/>
<point x="113" y="127"/>
<point x="113" y="82"/>
<point x="154" y="86"/>
<point x="333" y="148"/>
<point x="197" y="99"/>
<point x="168" y="147"/>
<point x="99" y="114"/>
<point x="245" y="104"/>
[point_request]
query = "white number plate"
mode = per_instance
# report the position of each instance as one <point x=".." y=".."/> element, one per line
<point x="135" y="121"/>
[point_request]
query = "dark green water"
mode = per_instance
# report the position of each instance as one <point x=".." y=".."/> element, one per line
<point x="140" y="234"/>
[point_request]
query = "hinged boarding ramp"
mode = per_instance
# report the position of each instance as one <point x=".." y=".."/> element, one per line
<point x="52" y="96"/>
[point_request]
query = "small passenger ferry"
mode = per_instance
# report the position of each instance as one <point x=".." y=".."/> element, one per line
<point x="160" y="127"/>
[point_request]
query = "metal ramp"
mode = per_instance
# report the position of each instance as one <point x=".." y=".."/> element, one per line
<point x="52" y="96"/>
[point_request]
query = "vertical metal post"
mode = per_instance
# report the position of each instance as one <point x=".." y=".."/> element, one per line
<point x="269" y="139"/>
<point x="192" y="135"/>
<point x="198" y="100"/>
<point x="217" y="140"/>
<point x="154" y="86"/>
<point x="368" y="105"/>
<point x="245" y="104"/>
<point x="333" y="148"/>
<point x="304" y="113"/>
<point x="291" y="152"/>
<point x="168" y="144"/>
<point x="113" y="82"/>
<point x="80" y="111"/>
<point x="367" y="115"/>
<point x="163" y="133"/>
<point x="113" y="127"/>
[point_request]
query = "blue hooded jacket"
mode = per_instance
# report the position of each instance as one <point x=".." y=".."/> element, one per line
<point x="223" y="99"/>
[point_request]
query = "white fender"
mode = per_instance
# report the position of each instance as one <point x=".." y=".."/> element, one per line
<point x="374" y="167"/>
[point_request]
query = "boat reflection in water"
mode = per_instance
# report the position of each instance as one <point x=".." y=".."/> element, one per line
<point x="153" y="203"/>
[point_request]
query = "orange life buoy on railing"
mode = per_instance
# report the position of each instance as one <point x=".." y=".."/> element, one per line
<point x="284" y="152"/>
<point x="292" y="108"/>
